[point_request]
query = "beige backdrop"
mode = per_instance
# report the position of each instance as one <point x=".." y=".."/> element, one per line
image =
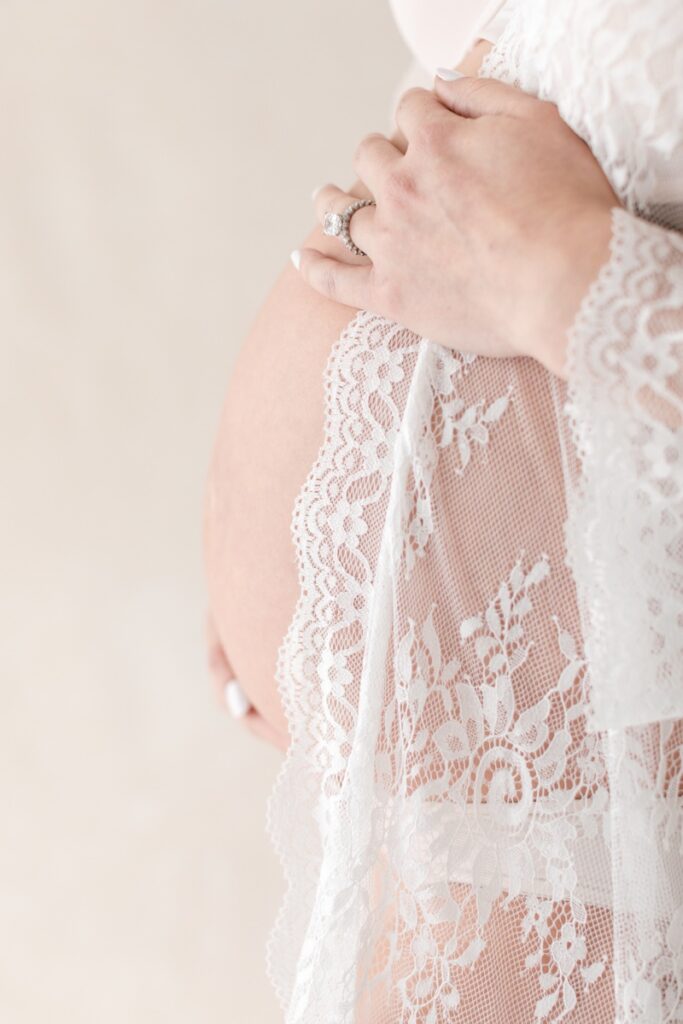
<point x="156" y="165"/>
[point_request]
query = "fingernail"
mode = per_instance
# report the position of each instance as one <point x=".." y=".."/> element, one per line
<point x="315" y="192"/>
<point x="236" y="699"/>
<point x="295" y="257"/>
<point x="448" y="74"/>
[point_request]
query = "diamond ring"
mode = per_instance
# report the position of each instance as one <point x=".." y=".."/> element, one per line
<point x="337" y="224"/>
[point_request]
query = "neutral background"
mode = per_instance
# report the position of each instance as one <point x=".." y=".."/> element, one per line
<point x="156" y="165"/>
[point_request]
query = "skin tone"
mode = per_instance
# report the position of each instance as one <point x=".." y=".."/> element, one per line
<point x="523" y="217"/>
<point x="492" y="219"/>
<point x="532" y="247"/>
<point x="221" y="673"/>
<point x="315" y="322"/>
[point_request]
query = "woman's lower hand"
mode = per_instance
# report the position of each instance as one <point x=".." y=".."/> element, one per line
<point x="229" y="694"/>
<point x="491" y="220"/>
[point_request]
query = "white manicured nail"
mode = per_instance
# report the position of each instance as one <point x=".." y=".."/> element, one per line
<point x="236" y="699"/>
<point x="448" y="74"/>
<point x="295" y="257"/>
<point x="314" y="193"/>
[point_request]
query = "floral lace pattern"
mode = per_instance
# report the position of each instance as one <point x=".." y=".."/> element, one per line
<point x="613" y="67"/>
<point x="446" y="421"/>
<point x="626" y="361"/>
<point x="479" y="815"/>
<point x="625" y="529"/>
<point x="316" y="663"/>
<point x="504" y="795"/>
<point x="506" y="789"/>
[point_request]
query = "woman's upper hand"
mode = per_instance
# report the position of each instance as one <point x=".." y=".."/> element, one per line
<point x="492" y="219"/>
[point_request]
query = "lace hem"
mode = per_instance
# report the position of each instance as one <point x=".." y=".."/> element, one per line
<point x="309" y="765"/>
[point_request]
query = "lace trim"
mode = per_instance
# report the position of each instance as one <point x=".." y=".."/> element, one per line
<point x="613" y="69"/>
<point x="347" y="488"/>
<point x="296" y="792"/>
<point x="512" y="792"/>
<point x="365" y="807"/>
<point x="624" y="526"/>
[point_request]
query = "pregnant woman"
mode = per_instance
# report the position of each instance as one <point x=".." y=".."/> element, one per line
<point x="477" y="422"/>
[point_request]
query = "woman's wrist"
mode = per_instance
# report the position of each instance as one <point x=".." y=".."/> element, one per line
<point x="575" y="265"/>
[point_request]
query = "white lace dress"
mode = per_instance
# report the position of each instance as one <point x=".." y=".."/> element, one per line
<point x="479" y="816"/>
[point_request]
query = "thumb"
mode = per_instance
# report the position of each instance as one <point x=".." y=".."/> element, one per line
<point x="475" y="97"/>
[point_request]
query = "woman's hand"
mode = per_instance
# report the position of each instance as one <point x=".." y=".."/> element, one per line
<point x="230" y="696"/>
<point x="491" y="222"/>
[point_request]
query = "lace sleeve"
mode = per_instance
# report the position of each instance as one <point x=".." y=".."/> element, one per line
<point x="624" y="545"/>
<point x="625" y="414"/>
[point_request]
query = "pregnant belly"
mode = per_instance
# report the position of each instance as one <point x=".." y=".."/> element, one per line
<point x="270" y="432"/>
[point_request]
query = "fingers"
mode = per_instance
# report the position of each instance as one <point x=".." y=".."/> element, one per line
<point x="475" y="97"/>
<point x="217" y="663"/>
<point x="399" y="140"/>
<point x="416" y="109"/>
<point x="332" y="200"/>
<point x="375" y="157"/>
<point x="342" y="282"/>
<point x="238" y="703"/>
<point x="227" y="689"/>
<point x="230" y="694"/>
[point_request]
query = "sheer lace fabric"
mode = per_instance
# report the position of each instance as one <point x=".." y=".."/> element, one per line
<point x="479" y="816"/>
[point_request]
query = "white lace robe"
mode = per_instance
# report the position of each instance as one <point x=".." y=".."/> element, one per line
<point x="479" y="816"/>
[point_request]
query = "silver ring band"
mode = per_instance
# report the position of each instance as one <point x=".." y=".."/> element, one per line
<point x="337" y="224"/>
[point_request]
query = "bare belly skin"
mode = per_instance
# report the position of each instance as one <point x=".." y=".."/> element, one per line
<point x="270" y="432"/>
